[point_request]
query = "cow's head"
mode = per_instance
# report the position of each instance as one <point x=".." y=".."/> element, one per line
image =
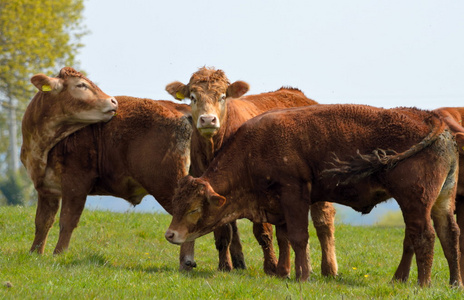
<point x="208" y="91"/>
<point x="74" y="98"/>
<point x="197" y="210"/>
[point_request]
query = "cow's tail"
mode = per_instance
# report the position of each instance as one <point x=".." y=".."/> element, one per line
<point x="364" y="165"/>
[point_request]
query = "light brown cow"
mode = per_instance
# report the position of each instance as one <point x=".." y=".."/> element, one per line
<point x="453" y="117"/>
<point x="217" y="113"/>
<point x="62" y="106"/>
<point x="288" y="156"/>
<point x="143" y="150"/>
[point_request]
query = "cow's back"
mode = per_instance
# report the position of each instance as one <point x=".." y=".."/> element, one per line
<point x="143" y="150"/>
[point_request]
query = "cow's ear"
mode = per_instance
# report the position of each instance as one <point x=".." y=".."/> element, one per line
<point x="47" y="84"/>
<point x="217" y="200"/>
<point x="237" y="89"/>
<point x="213" y="197"/>
<point x="178" y="90"/>
<point x="460" y="141"/>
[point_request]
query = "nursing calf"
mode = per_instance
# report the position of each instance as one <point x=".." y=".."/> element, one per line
<point x="281" y="162"/>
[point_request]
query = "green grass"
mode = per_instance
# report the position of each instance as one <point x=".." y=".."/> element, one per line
<point x="125" y="256"/>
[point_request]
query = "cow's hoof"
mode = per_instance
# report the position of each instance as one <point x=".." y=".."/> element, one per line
<point x="188" y="265"/>
<point x="238" y="262"/>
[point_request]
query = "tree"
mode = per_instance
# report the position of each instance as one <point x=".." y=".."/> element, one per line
<point x="36" y="37"/>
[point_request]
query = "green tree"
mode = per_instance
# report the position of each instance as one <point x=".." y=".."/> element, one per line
<point x="35" y="37"/>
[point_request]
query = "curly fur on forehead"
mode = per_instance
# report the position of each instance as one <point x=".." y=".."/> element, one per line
<point x="213" y="79"/>
<point x="67" y="72"/>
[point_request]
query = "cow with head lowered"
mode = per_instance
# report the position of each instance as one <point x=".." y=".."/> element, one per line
<point x="279" y="163"/>
<point x="142" y="149"/>
<point x="218" y="110"/>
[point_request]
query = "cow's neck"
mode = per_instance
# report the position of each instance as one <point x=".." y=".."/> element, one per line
<point x="37" y="144"/>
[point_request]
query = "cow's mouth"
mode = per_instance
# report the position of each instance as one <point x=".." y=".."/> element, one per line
<point x="208" y="130"/>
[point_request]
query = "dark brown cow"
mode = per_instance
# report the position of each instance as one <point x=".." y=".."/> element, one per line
<point x="453" y="117"/>
<point x="217" y="113"/>
<point x="289" y="155"/>
<point x="143" y="150"/>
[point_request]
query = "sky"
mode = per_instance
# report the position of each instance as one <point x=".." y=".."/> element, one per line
<point x="384" y="53"/>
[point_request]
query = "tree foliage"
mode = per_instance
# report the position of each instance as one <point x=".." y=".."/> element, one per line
<point x="35" y="37"/>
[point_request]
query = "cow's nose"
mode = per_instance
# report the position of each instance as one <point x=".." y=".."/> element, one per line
<point x="208" y="120"/>
<point x="114" y="101"/>
<point x="169" y="235"/>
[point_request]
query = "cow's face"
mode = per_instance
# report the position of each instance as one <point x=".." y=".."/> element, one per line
<point x="208" y="91"/>
<point x="74" y="98"/>
<point x="197" y="210"/>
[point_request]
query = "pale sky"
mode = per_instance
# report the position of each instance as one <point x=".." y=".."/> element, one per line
<point x="384" y="53"/>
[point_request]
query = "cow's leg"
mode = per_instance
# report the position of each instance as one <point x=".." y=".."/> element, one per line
<point x="448" y="234"/>
<point x="223" y="238"/>
<point x="47" y="207"/>
<point x="283" y="265"/>
<point x="236" y="253"/>
<point x="263" y="234"/>
<point x="296" y="212"/>
<point x="323" y="216"/>
<point x="422" y="236"/>
<point x="402" y="272"/>
<point x="186" y="256"/>
<point x="460" y="221"/>
<point x="71" y="211"/>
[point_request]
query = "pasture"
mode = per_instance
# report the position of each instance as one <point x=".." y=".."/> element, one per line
<point x="125" y="256"/>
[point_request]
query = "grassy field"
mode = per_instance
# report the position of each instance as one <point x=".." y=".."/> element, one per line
<point x="125" y="256"/>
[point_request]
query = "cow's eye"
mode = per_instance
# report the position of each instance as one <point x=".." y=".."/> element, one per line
<point x="194" y="211"/>
<point x="82" y="86"/>
<point x="222" y="98"/>
<point x="193" y="99"/>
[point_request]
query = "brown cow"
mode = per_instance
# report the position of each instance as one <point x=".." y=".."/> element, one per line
<point x="285" y="155"/>
<point x="143" y="150"/>
<point x="453" y="117"/>
<point x="62" y="106"/>
<point x="217" y="113"/>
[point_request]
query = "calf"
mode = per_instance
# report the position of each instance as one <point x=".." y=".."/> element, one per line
<point x="144" y="149"/>
<point x="281" y="162"/>
<point x="217" y="113"/>
<point x="452" y="116"/>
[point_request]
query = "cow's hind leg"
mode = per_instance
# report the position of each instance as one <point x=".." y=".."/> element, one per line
<point x="71" y="211"/>
<point x="323" y="217"/>
<point x="448" y="234"/>
<point x="263" y="234"/>
<point x="402" y="272"/>
<point x="460" y="221"/>
<point x="236" y="252"/>
<point x="223" y="238"/>
<point x="47" y="207"/>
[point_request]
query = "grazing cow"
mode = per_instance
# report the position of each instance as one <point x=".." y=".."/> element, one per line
<point x="144" y="149"/>
<point x="217" y="113"/>
<point x="280" y="162"/>
<point x="453" y="117"/>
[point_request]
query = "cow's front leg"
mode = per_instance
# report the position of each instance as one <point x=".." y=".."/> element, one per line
<point x="186" y="256"/>
<point x="263" y="234"/>
<point x="296" y="211"/>
<point x="47" y="207"/>
<point x="223" y="238"/>
<point x="460" y="221"/>
<point x="402" y="272"/>
<point x="71" y="211"/>
<point x="236" y="252"/>
<point x="323" y="217"/>
<point x="283" y="265"/>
